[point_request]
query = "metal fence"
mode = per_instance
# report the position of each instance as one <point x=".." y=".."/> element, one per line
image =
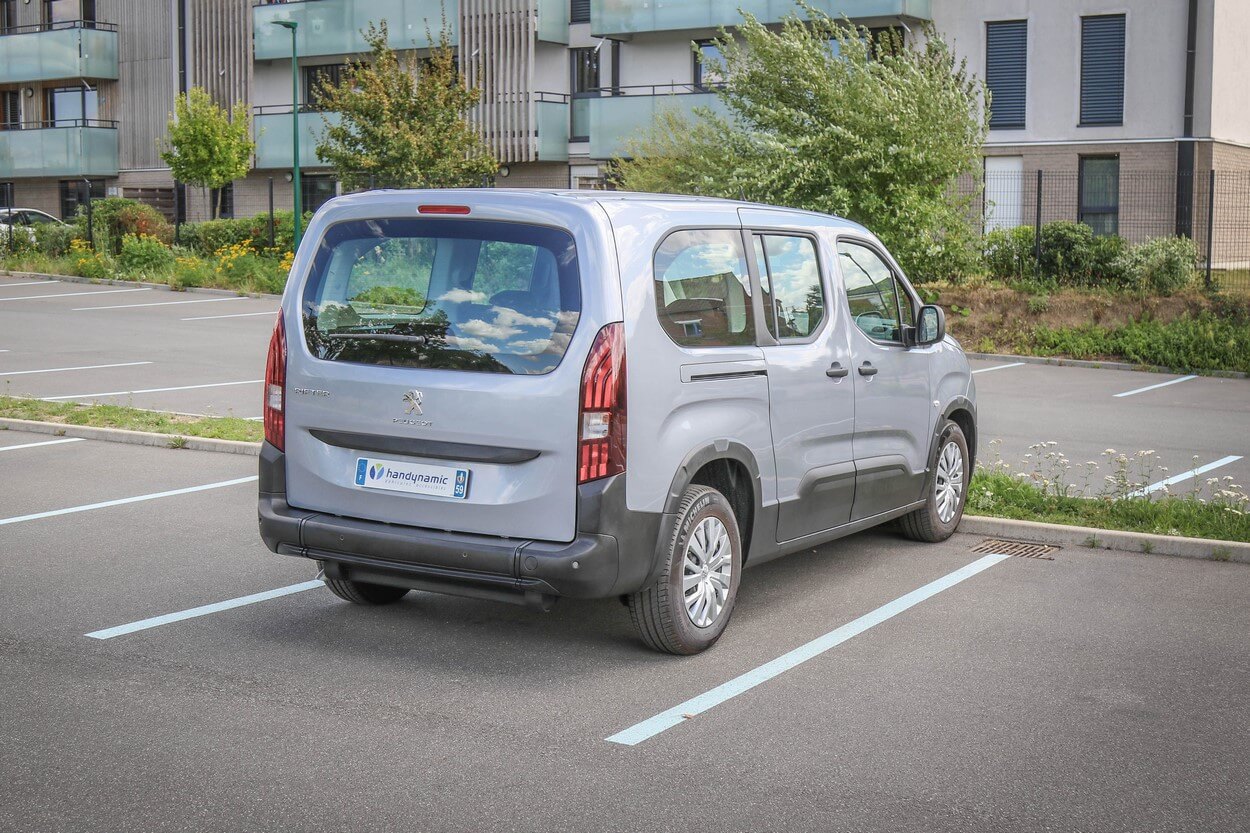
<point x="1211" y="207"/>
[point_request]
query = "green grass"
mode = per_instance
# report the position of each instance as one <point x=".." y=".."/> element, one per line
<point x="1201" y="343"/>
<point x="132" y="419"/>
<point x="1000" y="495"/>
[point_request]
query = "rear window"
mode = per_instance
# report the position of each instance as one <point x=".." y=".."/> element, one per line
<point x="449" y="294"/>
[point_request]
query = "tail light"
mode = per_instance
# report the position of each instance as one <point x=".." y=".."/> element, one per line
<point x="601" y="447"/>
<point x="275" y="388"/>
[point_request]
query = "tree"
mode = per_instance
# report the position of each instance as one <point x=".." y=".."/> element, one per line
<point x="402" y="122"/>
<point x="820" y="115"/>
<point x="208" y="147"/>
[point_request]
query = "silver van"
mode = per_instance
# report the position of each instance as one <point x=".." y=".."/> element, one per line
<point x="521" y="395"/>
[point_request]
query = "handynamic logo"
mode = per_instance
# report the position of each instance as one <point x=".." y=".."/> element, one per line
<point x="376" y="471"/>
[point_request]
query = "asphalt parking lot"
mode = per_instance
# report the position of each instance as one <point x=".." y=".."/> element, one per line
<point x="1095" y="691"/>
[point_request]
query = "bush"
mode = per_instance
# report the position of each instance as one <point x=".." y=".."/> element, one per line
<point x="15" y="240"/>
<point x="143" y="254"/>
<point x="114" y="218"/>
<point x="1164" y="265"/>
<point x="1068" y="253"/>
<point x="1073" y="257"/>
<point x="89" y="263"/>
<point x="54" y="239"/>
<point x="211" y="236"/>
<point x="1201" y="342"/>
<point x="1009" y="253"/>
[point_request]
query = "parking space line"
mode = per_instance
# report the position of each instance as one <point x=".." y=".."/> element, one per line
<point x="1154" y="487"/>
<point x="37" y="445"/>
<point x="74" y="294"/>
<point x="745" y="682"/>
<point x="204" y="610"/>
<point x="62" y="369"/>
<point x="235" y="315"/>
<point x="27" y="283"/>
<point x="125" y="500"/>
<point x="1156" y="387"/>
<point x="163" y="303"/>
<point x="150" y="390"/>
<point x="999" y="367"/>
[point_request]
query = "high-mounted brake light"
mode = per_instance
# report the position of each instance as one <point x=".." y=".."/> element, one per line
<point x="275" y="388"/>
<point x="601" y="446"/>
<point x="442" y="209"/>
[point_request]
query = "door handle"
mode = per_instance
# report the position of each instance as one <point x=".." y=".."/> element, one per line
<point x="837" y="371"/>
<point x="866" y="369"/>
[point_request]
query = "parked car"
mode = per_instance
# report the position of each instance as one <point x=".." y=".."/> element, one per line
<point x="25" y="219"/>
<point x="521" y="395"/>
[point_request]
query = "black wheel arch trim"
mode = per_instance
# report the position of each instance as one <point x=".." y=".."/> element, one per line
<point x="958" y="403"/>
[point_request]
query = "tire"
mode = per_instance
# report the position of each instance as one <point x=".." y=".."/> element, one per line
<point x="926" y="523"/>
<point x="660" y="612"/>
<point x="367" y="595"/>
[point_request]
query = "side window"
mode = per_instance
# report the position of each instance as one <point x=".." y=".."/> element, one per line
<point x="794" y="301"/>
<point x="702" y="289"/>
<point x="873" y="293"/>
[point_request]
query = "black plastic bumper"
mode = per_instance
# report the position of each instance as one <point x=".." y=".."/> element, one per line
<point x="612" y="553"/>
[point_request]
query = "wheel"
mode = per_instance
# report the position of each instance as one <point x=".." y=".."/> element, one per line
<point x="688" y="607"/>
<point x="946" y="490"/>
<point x="362" y="593"/>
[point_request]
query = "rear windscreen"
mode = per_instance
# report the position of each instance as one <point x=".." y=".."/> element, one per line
<point x="437" y="293"/>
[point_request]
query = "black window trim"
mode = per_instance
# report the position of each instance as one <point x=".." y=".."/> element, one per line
<point x="898" y="276"/>
<point x="1081" y="208"/>
<point x="757" y="284"/>
<point x="1023" y="124"/>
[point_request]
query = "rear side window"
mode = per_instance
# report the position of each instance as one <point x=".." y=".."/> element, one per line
<point x="794" y="301"/>
<point x="444" y="294"/>
<point x="703" y="289"/>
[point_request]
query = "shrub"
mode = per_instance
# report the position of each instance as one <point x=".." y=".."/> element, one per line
<point x="1009" y="253"/>
<point x="15" y="240"/>
<point x="144" y="254"/>
<point x="1164" y="265"/>
<point x="114" y="218"/>
<point x="54" y="239"/>
<point x="242" y="268"/>
<point x="1201" y="342"/>
<point x="189" y="270"/>
<point x="1068" y="254"/>
<point x="209" y="237"/>
<point x="88" y="263"/>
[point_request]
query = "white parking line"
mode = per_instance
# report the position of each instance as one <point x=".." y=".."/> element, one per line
<point x="37" y="445"/>
<point x="149" y="390"/>
<point x="697" y="705"/>
<point x="999" y="367"/>
<point x="162" y="304"/>
<point x="1154" y="487"/>
<point x="61" y="369"/>
<point x="123" y="501"/>
<point x="1156" y="387"/>
<point x="73" y="294"/>
<point x="27" y="283"/>
<point x="235" y="315"/>
<point x="204" y="610"/>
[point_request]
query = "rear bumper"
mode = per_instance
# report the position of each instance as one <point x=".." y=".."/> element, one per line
<point x="612" y="553"/>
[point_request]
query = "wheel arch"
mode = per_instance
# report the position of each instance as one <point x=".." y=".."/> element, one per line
<point x="730" y="468"/>
<point x="963" y="412"/>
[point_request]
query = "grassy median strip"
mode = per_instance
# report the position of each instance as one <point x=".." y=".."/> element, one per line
<point x="132" y="419"/>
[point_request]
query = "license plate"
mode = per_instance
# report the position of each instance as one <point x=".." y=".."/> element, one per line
<point x="413" y="478"/>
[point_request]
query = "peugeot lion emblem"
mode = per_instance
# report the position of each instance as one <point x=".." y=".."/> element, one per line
<point x="413" y="400"/>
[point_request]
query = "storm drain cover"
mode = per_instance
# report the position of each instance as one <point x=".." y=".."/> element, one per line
<point x="1019" y="549"/>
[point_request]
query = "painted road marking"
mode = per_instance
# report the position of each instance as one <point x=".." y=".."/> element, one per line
<point x="162" y="304"/>
<point x="27" y="283"/>
<point x="73" y="294"/>
<point x="37" y="445"/>
<point x="150" y="390"/>
<point x="1155" y="387"/>
<point x="697" y="705"/>
<point x="62" y="369"/>
<point x="999" y="367"/>
<point x="204" y="610"/>
<point x="123" y="501"/>
<point x="1154" y="487"/>
<point x="235" y="315"/>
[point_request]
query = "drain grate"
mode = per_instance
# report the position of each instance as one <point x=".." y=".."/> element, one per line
<point x="1019" y="549"/>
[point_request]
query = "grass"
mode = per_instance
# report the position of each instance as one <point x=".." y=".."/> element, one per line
<point x="1000" y="495"/>
<point x="133" y="419"/>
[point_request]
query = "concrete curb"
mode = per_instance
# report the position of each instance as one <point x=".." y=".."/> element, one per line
<point x="1084" y="537"/>
<point x="1094" y="365"/>
<point x="118" y="435"/>
<point x="199" y="290"/>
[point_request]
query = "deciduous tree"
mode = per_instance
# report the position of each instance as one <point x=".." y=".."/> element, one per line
<point x="206" y="146"/>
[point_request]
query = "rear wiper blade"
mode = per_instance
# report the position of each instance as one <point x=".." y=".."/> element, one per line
<point x="400" y="337"/>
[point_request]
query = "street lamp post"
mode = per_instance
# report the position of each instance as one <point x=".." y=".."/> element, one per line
<point x="292" y="25"/>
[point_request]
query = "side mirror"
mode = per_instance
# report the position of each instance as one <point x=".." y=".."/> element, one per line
<point x="930" y="325"/>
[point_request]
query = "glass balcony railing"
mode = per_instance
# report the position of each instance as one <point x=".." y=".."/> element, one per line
<point x="553" y="127"/>
<point x="74" y="49"/>
<point x="627" y="17"/>
<point x="553" y="21"/>
<point x="332" y="27"/>
<point x="275" y="137"/>
<point x="614" y="119"/>
<point x="86" y="147"/>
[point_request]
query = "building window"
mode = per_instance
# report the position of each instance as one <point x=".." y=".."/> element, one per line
<point x="1006" y="72"/>
<point x="10" y="110"/>
<point x="316" y="190"/>
<point x="1099" y="197"/>
<point x="709" y="64"/>
<point x="73" y="193"/>
<point x="71" y="106"/>
<point x="584" y="67"/>
<point x="579" y="11"/>
<point x="1102" y="70"/>
<point x="316" y="80"/>
<point x="6" y="195"/>
<point x="8" y="15"/>
<point x="58" y="14"/>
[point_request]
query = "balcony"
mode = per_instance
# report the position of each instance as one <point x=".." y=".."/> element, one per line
<point x="627" y="17"/>
<point x="332" y="27"/>
<point x="613" y="119"/>
<point x="271" y="127"/>
<point x="76" y="49"/>
<point x="553" y="127"/>
<point x="86" y="147"/>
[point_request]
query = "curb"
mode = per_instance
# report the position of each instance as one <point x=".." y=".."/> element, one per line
<point x="1097" y="365"/>
<point x="119" y="435"/>
<point x="203" y="290"/>
<point x="1107" y="539"/>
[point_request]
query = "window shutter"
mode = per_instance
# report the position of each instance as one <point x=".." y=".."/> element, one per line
<point x="1006" y="72"/>
<point x="579" y="11"/>
<point x="1102" y="70"/>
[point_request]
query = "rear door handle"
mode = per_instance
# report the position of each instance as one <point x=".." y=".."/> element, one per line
<point x="837" y="371"/>
<point x="866" y="369"/>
